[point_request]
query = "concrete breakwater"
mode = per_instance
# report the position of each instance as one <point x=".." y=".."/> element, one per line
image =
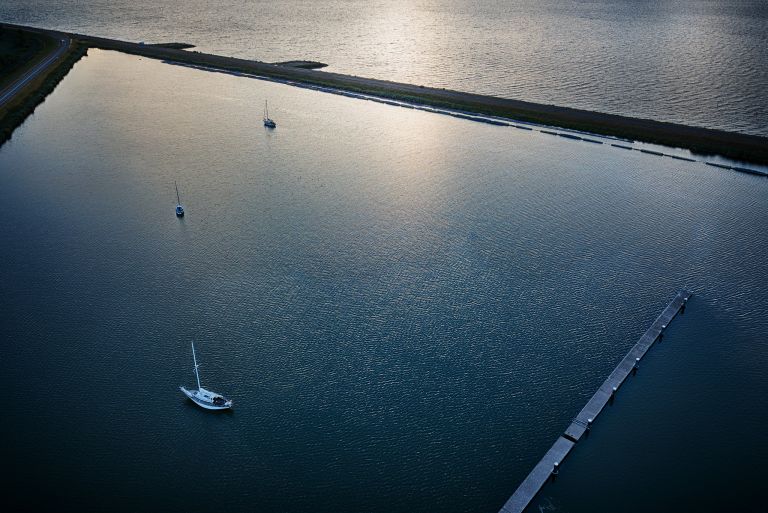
<point x="702" y="140"/>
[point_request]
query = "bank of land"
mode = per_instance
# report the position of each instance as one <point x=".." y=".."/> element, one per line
<point x="32" y="62"/>
<point x="737" y="146"/>
<point x="19" y="50"/>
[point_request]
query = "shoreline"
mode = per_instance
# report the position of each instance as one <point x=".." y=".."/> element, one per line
<point x="567" y="133"/>
<point x="34" y="80"/>
<point x="703" y="141"/>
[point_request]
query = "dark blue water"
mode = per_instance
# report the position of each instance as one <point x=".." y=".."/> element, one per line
<point x="695" y="62"/>
<point x="407" y="308"/>
<point x="685" y="433"/>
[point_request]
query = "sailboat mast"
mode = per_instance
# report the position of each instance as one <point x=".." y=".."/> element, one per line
<point x="197" y="374"/>
<point x="178" y="202"/>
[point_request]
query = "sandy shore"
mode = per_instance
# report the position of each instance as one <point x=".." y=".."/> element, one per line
<point x="747" y="148"/>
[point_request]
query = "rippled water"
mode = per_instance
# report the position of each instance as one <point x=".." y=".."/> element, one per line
<point x="407" y="308"/>
<point x="693" y="62"/>
<point x="684" y="434"/>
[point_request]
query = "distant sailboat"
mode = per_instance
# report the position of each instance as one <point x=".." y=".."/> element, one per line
<point x="268" y="122"/>
<point x="205" y="398"/>
<point x="179" y="208"/>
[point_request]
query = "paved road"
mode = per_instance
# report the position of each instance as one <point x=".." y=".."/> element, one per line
<point x="9" y="92"/>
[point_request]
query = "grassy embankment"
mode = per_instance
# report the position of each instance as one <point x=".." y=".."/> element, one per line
<point x="704" y="141"/>
<point x="699" y="140"/>
<point x="21" y="50"/>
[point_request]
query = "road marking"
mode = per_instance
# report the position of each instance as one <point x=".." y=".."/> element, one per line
<point x="14" y="88"/>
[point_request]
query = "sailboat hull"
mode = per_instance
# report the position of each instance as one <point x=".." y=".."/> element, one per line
<point x="204" y="399"/>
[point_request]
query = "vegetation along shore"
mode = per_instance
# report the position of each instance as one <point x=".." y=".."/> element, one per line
<point x="32" y="62"/>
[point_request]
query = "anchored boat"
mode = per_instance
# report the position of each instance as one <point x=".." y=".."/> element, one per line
<point x="205" y="398"/>
<point x="179" y="208"/>
<point x="267" y="121"/>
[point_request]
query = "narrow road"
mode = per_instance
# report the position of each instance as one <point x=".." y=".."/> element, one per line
<point x="9" y="92"/>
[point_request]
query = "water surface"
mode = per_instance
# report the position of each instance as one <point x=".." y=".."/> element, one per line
<point x="696" y="62"/>
<point x="407" y="308"/>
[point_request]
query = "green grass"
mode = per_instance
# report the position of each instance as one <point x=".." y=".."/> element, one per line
<point x="19" y="51"/>
<point x="16" y="111"/>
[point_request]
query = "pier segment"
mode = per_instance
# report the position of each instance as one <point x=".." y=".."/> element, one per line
<point x="598" y="401"/>
<point x="538" y="476"/>
<point x="542" y="472"/>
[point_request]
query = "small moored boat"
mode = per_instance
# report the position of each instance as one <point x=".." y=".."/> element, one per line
<point x="267" y="121"/>
<point x="205" y="398"/>
<point x="179" y="208"/>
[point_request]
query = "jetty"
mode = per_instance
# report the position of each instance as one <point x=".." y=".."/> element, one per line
<point x="549" y="466"/>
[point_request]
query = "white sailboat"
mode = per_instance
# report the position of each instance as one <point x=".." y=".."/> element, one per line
<point x="179" y="208"/>
<point x="267" y="121"/>
<point x="205" y="398"/>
